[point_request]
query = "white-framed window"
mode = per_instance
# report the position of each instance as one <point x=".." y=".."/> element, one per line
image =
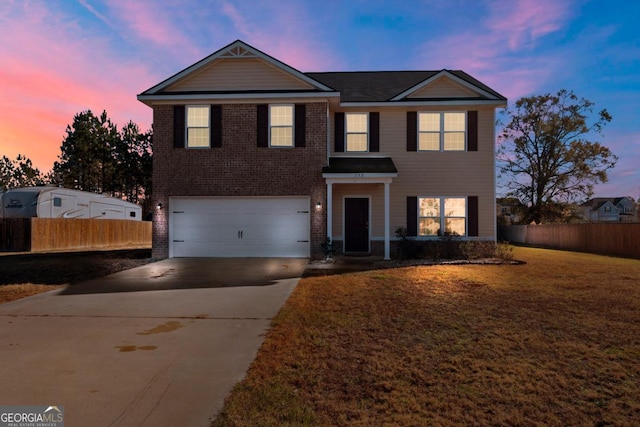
<point x="442" y="131"/>
<point x="442" y="216"/>
<point x="281" y="125"/>
<point x="198" y="126"/>
<point x="356" y="132"/>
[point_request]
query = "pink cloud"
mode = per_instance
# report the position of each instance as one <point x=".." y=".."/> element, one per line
<point x="287" y="35"/>
<point x="154" y="24"/>
<point x="55" y="73"/>
<point x="492" y="51"/>
<point x="238" y="20"/>
<point x="147" y="22"/>
<point x="522" y="22"/>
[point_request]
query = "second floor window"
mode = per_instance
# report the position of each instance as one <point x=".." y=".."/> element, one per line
<point x="281" y="125"/>
<point x="357" y="132"/>
<point x="442" y="131"/>
<point x="198" y="126"/>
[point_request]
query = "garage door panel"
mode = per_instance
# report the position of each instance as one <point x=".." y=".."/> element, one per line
<point x="240" y="227"/>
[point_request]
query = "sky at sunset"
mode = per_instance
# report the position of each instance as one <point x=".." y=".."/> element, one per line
<point x="61" y="57"/>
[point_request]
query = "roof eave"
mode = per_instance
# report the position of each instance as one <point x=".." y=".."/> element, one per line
<point x="359" y="175"/>
<point x="497" y="103"/>
<point x="150" y="100"/>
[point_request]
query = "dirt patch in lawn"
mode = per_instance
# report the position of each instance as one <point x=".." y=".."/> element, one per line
<point x="552" y="342"/>
<point x="30" y="274"/>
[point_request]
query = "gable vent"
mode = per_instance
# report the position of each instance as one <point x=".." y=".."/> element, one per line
<point x="238" y="52"/>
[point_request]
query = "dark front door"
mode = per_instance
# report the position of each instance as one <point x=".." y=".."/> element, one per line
<point x="356" y="223"/>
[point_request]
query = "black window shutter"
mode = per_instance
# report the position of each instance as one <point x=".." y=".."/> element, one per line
<point x="263" y="125"/>
<point x="472" y="213"/>
<point x="374" y="132"/>
<point x="412" y="131"/>
<point x="178" y="126"/>
<point x="339" y="132"/>
<point x="412" y="216"/>
<point x="472" y="131"/>
<point x="216" y="126"/>
<point x="299" y="136"/>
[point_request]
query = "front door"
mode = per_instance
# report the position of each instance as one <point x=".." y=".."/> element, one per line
<point x="356" y="223"/>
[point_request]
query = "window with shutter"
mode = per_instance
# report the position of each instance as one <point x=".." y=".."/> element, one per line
<point x="281" y="125"/>
<point x="357" y="132"/>
<point x="436" y="216"/>
<point x="198" y="126"/>
<point x="442" y="131"/>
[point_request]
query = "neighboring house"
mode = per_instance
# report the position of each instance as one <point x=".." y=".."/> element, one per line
<point x="509" y="210"/>
<point x="610" y="209"/>
<point x="255" y="158"/>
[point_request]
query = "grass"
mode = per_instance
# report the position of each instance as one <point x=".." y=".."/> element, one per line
<point x="10" y="293"/>
<point x="26" y="275"/>
<point x="553" y="342"/>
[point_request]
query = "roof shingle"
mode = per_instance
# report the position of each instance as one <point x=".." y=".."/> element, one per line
<point x="382" y="86"/>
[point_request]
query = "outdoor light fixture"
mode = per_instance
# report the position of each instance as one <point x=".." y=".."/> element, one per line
<point x="318" y="206"/>
<point x="159" y="206"/>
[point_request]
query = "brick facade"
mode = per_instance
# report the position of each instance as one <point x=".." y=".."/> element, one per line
<point x="239" y="167"/>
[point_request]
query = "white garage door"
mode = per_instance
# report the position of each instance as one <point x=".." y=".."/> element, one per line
<point x="239" y="227"/>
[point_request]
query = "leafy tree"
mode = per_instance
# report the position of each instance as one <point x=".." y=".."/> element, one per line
<point x="545" y="156"/>
<point x="19" y="173"/>
<point x="96" y="157"/>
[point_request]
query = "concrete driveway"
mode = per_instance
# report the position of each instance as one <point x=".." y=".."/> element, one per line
<point x="157" y="345"/>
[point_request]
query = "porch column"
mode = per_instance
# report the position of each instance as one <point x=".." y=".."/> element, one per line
<point x="330" y="210"/>
<point x="387" y="246"/>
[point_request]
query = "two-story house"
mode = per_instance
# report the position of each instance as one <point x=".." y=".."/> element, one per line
<point x="509" y="210"/>
<point x="610" y="209"/>
<point x="253" y="158"/>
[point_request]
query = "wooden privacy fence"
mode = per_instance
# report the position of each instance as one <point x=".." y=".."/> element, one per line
<point x="610" y="239"/>
<point x="59" y="234"/>
<point x="15" y="234"/>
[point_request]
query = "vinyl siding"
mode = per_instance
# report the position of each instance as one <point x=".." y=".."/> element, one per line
<point x="443" y="88"/>
<point x="427" y="173"/>
<point x="376" y="206"/>
<point x="239" y="74"/>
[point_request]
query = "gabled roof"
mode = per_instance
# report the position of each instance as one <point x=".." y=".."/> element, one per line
<point x="359" y="87"/>
<point x="597" y="202"/>
<point x="237" y="49"/>
<point x="368" y="86"/>
<point x="387" y="86"/>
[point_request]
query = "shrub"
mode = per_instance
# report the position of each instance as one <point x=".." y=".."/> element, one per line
<point x="504" y="251"/>
<point x="447" y="247"/>
<point x="478" y="249"/>
<point x="407" y="247"/>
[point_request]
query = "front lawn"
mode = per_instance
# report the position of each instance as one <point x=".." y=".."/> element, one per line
<point x="555" y="341"/>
